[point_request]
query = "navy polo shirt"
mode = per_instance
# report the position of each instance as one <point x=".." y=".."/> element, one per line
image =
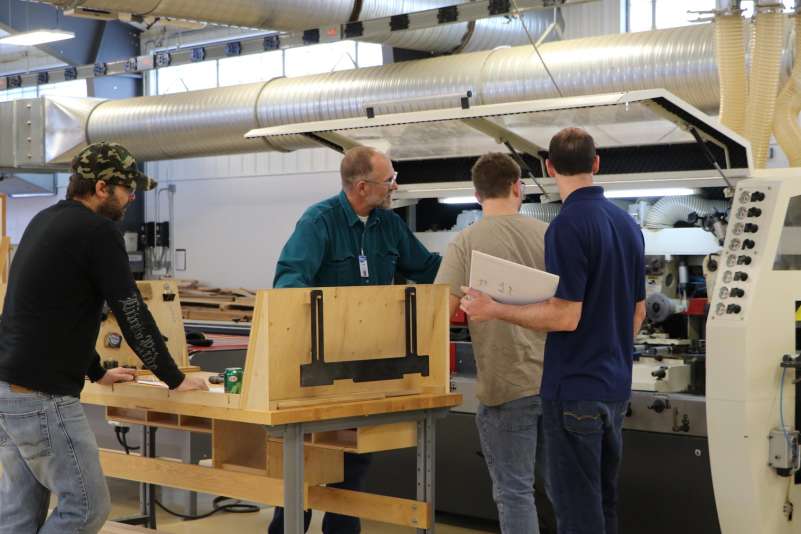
<point x="597" y="250"/>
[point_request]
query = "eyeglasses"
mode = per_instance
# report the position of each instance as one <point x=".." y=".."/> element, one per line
<point x="389" y="182"/>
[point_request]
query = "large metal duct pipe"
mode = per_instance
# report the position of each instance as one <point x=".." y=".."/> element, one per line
<point x="298" y="15"/>
<point x="209" y="122"/>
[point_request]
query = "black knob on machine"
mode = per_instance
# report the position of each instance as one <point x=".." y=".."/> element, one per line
<point x="737" y="292"/>
<point x="743" y="260"/>
<point x="754" y="212"/>
<point x="659" y="405"/>
<point x="757" y="196"/>
<point x="740" y="276"/>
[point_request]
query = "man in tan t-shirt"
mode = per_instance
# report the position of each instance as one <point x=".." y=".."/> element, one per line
<point x="509" y="358"/>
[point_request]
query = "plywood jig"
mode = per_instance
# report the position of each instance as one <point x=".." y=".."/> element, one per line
<point x="358" y="324"/>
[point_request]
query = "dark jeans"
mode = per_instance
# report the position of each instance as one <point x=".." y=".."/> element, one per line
<point x="355" y="471"/>
<point x="583" y="443"/>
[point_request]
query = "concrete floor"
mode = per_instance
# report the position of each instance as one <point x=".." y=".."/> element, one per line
<point x="124" y="497"/>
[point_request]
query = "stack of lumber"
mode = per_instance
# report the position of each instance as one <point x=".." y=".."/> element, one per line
<point x="204" y="303"/>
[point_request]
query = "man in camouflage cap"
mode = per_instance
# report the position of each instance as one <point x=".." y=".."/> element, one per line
<point x="70" y="260"/>
<point x="112" y="164"/>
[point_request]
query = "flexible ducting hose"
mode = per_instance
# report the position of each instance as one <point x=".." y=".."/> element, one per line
<point x="543" y="212"/>
<point x="669" y="210"/>
<point x="788" y="105"/>
<point x="764" y="82"/>
<point x="730" y="52"/>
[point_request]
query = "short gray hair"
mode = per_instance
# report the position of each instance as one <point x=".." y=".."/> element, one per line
<point x="357" y="164"/>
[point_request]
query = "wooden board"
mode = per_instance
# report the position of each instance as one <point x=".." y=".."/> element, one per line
<point x="263" y="489"/>
<point x="360" y="323"/>
<point x="167" y="314"/>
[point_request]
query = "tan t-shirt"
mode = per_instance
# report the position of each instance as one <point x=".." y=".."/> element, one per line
<point x="509" y="358"/>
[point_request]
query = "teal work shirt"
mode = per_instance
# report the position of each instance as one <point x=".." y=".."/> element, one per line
<point x="328" y="239"/>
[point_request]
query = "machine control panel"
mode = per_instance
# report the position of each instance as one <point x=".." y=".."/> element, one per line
<point x="752" y="204"/>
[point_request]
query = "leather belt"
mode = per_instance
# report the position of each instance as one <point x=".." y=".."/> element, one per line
<point x="19" y="389"/>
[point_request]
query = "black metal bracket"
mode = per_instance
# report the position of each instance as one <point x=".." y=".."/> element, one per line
<point x="321" y="373"/>
<point x="311" y="37"/>
<point x="271" y="42"/>
<point x="198" y="54"/>
<point x="233" y="49"/>
<point x="498" y="7"/>
<point x="448" y="14"/>
<point x="354" y="29"/>
<point x="398" y="22"/>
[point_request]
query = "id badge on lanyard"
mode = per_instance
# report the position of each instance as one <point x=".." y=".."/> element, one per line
<point x="363" y="270"/>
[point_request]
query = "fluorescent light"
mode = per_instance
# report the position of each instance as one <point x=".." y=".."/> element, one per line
<point x="36" y="37"/>
<point x="31" y="195"/>
<point x="656" y="192"/>
<point x="458" y="200"/>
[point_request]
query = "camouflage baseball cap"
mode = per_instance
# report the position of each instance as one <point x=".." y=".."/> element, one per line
<point x="111" y="163"/>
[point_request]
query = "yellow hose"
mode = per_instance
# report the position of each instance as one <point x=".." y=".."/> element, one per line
<point x="730" y="51"/>
<point x="764" y="83"/>
<point x="788" y="105"/>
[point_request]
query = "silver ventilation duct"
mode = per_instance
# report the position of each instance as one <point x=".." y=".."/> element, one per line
<point x="298" y="15"/>
<point x="202" y="123"/>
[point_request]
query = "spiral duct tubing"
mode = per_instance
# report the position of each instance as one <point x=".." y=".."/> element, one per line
<point x="786" y="127"/>
<point x="299" y="15"/>
<point x="730" y="46"/>
<point x="764" y="82"/>
<point x="544" y="212"/>
<point x="666" y="212"/>
<point x="213" y="121"/>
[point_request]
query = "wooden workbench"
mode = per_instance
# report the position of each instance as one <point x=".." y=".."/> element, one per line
<point x="286" y="433"/>
<point x="296" y="492"/>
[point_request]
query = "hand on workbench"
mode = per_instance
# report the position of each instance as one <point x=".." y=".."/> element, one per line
<point x="118" y="374"/>
<point x="477" y="305"/>
<point x="192" y="383"/>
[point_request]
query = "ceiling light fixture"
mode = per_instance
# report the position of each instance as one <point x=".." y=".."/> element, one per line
<point x="458" y="200"/>
<point x="36" y="37"/>
<point x="655" y="192"/>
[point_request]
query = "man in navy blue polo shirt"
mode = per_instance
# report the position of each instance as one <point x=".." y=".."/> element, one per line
<point x="597" y="250"/>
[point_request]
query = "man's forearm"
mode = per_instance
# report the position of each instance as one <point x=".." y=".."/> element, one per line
<point x="541" y="317"/>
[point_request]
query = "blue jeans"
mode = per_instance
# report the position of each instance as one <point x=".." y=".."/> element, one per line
<point x="583" y="443"/>
<point x="46" y="446"/>
<point x="355" y="472"/>
<point x="508" y="434"/>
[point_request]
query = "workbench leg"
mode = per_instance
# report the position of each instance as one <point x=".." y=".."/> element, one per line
<point x="293" y="479"/>
<point x="147" y="492"/>
<point x="190" y="457"/>
<point x="426" y="443"/>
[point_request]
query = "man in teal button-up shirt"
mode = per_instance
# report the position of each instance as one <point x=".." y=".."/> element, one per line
<point x="353" y="238"/>
<point x="349" y="240"/>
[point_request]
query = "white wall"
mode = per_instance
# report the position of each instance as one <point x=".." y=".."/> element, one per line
<point x="233" y="214"/>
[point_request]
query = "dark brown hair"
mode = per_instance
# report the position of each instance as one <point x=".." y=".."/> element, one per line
<point x="494" y="174"/>
<point x="572" y="152"/>
<point x="79" y="187"/>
